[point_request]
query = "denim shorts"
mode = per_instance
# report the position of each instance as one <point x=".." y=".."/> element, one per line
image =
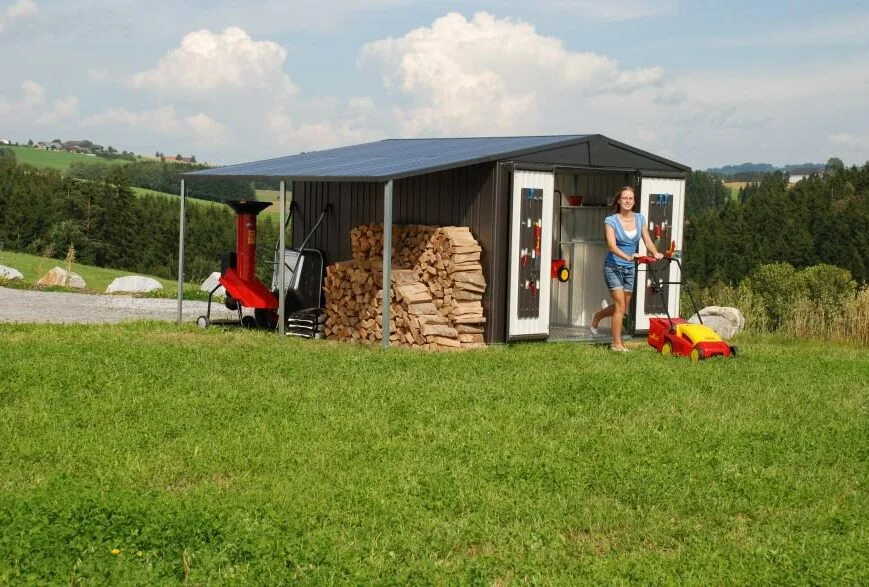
<point x="619" y="277"/>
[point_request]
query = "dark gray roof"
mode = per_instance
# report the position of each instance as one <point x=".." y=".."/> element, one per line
<point x="390" y="159"/>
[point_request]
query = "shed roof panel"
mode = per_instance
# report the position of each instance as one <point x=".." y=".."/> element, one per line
<point x="391" y="158"/>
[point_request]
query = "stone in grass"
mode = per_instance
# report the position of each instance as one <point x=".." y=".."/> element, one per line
<point x="133" y="284"/>
<point x="9" y="273"/>
<point x="59" y="276"/>
<point x="725" y="321"/>
<point x="211" y="282"/>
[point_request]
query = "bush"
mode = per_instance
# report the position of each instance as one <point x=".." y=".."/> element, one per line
<point x="829" y="286"/>
<point x="777" y="287"/>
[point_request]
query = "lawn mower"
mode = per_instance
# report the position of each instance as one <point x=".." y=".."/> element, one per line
<point x="677" y="336"/>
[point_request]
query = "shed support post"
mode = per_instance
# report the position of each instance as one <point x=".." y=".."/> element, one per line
<point x="387" y="259"/>
<point x="181" y="225"/>
<point x="282" y="265"/>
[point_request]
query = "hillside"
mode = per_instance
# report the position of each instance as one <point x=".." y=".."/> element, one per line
<point x="60" y="160"/>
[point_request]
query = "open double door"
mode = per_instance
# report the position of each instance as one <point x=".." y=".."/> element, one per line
<point x="534" y="235"/>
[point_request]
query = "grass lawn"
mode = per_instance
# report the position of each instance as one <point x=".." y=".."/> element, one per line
<point x="143" y="453"/>
<point x="33" y="267"/>
<point x="59" y="160"/>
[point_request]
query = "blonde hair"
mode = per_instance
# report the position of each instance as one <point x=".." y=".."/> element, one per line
<point x="618" y="196"/>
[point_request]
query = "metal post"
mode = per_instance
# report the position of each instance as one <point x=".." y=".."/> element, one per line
<point x="387" y="259"/>
<point x="282" y="264"/>
<point x="181" y="225"/>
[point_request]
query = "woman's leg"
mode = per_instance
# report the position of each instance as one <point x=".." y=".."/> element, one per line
<point x="601" y="314"/>
<point x="619" y="306"/>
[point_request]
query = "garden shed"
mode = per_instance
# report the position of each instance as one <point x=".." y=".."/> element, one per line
<point x="532" y="203"/>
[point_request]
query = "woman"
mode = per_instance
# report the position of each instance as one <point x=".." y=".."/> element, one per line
<point x="623" y="232"/>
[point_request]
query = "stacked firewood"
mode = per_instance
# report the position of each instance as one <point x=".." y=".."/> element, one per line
<point x="436" y="291"/>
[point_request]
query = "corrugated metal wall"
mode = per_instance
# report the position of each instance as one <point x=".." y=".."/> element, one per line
<point x="460" y="197"/>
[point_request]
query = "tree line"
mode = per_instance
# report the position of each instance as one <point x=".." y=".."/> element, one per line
<point x="163" y="176"/>
<point x="823" y="219"/>
<point x="42" y="212"/>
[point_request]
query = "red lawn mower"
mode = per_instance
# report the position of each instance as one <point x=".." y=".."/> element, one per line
<point x="677" y="336"/>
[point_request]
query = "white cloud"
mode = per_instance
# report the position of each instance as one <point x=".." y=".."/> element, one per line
<point x="487" y="75"/>
<point x="163" y="121"/>
<point x="32" y="105"/>
<point x="98" y="75"/>
<point x="64" y="109"/>
<point x="207" y="63"/>
<point x="847" y="140"/>
<point x="20" y="9"/>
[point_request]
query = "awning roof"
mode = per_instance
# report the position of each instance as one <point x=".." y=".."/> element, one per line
<point x="389" y="159"/>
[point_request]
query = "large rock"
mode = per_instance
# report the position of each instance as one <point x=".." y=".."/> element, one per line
<point x="210" y="283"/>
<point x="133" y="284"/>
<point x="59" y="276"/>
<point x="726" y="321"/>
<point x="9" y="273"/>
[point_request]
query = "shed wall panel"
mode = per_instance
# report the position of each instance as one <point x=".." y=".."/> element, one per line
<point x="465" y="196"/>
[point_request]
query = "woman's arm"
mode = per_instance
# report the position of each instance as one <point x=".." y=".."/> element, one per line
<point x="650" y="245"/>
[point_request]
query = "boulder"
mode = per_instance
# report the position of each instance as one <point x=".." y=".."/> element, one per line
<point x="726" y="321"/>
<point x="9" y="273"/>
<point x="210" y="283"/>
<point x="59" y="276"/>
<point x="133" y="284"/>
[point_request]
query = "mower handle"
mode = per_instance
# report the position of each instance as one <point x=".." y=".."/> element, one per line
<point x="650" y="259"/>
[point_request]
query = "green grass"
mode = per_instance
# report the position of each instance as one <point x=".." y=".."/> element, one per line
<point x="232" y="456"/>
<point x="59" y="160"/>
<point x="33" y="267"/>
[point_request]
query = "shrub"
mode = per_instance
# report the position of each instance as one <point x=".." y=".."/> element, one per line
<point x="777" y="287"/>
<point x="829" y="286"/>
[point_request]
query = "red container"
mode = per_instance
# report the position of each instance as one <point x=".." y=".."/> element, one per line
<point x="574" y="200"/>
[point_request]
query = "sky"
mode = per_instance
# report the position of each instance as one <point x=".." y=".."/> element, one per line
<point x="704" y="83"/>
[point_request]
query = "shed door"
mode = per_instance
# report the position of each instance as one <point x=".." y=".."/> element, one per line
<point x="530" y="254"/>
<point x="662" y="201"/>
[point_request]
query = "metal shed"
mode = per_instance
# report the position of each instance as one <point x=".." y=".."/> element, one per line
<point x="504" y="189"/>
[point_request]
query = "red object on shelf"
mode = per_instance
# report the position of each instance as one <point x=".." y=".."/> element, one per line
<point x="575" y="200"/>
<point x="537" y="231"/>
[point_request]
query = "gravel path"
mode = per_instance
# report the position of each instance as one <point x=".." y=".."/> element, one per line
<point x="20" y="305"/>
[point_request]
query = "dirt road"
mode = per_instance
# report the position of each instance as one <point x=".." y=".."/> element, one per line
<point x="18" y="305"/>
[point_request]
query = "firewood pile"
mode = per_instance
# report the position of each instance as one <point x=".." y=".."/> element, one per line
<point x="436" y="290"/>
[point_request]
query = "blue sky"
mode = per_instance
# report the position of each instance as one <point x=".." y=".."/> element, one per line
<point x="704" y="83"/>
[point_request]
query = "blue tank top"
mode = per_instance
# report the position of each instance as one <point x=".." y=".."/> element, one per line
<point x="626" y="244"/>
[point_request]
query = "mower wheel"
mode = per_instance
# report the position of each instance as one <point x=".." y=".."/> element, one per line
<point x="697" y="355"/>
<point x="202" y="322"/>
<point x="563" y="274"/>
<point x="667" y="349"/>
<point x="248" y="321"/>
<point x="733" y="351"/>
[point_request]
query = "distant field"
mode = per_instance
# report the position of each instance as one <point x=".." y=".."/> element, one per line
<point x="735" y="186"/>
<point x="59" y="160"/>
<point x="274" y="197"/>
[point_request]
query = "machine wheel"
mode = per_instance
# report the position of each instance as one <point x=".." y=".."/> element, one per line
<point x="697" y="355"/>
<point x="264" y="318"/>
<point x="563" y="274"/>
<point x="202" y="322"/>
<point x="667" y="349"/>
<point x="248" y="321"/>
<point x="733" y="351"/>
